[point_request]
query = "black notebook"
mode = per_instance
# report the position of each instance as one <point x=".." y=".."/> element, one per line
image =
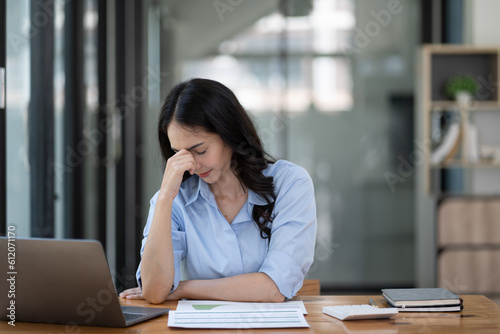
<point x="423" y="300"/>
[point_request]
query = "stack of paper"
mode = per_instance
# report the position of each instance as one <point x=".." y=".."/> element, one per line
<point x="423" y="300"/>
<point x="219" y="314"/>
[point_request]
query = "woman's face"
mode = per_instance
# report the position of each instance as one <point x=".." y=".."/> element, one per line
<point x="212" y="156"/>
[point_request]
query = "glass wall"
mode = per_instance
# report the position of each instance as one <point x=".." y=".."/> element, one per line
<point x="331" y="88"/>
<point x="107" y="69"/>
<point x="329" y="82"/>
<point x="18" y="96"/>
<point x="22" y="26"/>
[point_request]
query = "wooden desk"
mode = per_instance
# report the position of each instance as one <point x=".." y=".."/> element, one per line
<point x="480" y="315"/>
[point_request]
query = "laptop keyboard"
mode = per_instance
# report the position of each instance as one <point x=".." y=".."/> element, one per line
<point x="132" y="316"/>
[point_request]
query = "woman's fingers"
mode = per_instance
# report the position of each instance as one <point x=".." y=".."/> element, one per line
<point x="133" y="293"/>
<point x="177" y="165"/>
<point x="180" y="162"/>
<point x="135" y="297"/>
<point x="183" y="159"/>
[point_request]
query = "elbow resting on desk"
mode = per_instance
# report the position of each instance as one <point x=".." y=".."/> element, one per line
<point x="154" y="299"/>
<point x="251" y="287"/>
<point x="277" y="297"/>
<point x="155" y="295"/>
<point x="256" y="287"/>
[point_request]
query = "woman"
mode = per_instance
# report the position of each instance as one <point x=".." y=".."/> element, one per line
<point x="242" y="225"/>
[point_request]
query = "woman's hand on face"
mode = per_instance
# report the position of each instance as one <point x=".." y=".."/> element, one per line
<point x="177" y="165"/>
<point x="134" y="293"/>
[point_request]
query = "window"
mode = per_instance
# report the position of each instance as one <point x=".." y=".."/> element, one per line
<point x="280" y="62"/>
<point x="18" y="93"/>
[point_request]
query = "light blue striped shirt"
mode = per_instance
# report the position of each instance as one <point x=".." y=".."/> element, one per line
<point x="209" y="247"/>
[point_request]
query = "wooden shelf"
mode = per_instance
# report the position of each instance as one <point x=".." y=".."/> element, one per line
<point x="476" y="105"/>
<point x="439" y="63"/>
<point x="460" y="49"/>
<point x="456" y="163"/>
<point x="457" y="177"/>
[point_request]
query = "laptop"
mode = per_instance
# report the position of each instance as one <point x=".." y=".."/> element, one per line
<point x="62" y="282"/>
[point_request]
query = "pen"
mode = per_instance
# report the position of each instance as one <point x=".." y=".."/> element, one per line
<point x="372" y="303"/>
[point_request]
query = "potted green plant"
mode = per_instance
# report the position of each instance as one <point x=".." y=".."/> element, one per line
<point x="460" y="86"/>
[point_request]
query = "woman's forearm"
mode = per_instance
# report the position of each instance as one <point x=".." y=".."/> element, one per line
<point x="252" y="287"/>
<point x="157" y="263"/>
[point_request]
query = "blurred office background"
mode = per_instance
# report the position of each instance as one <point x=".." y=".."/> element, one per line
<point x="331" y="84"/>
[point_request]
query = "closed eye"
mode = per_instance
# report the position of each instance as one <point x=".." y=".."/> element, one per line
<point x="201" y="153"/>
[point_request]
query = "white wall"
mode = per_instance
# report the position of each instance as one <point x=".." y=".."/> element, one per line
<point x="482" y="26"/>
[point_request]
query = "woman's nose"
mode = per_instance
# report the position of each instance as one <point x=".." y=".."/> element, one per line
<point x="197" y="163"/>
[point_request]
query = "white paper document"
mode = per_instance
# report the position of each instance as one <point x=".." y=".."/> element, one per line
<point x="215" y="305"/>
<point x="237" y="319"/>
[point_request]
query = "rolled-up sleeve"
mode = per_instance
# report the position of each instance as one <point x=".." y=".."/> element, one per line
<point x="293" y="234"/>
<point x="178" y="241"/>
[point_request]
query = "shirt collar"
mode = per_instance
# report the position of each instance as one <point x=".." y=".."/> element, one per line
<point x="255" y="199"/>
<point x="196" y="189"/>
<point x="202" y="188"/>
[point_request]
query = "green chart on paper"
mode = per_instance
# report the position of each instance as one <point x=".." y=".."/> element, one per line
<point x="205" y="307"/>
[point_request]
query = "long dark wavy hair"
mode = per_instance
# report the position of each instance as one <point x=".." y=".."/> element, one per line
<point x="212" y="106"/>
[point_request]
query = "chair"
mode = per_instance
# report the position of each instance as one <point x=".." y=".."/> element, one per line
<point x="311" y="287"/>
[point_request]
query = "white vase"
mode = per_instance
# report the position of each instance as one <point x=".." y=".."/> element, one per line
<point x="464" y="98"/>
